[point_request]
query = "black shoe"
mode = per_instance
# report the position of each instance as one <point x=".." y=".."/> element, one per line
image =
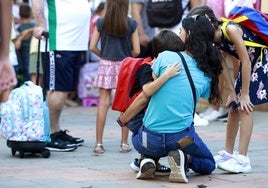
<point x="66" y="137"/>
<point x="57" y="144"/>
<point x="177" y="162"/>
<point x="162" y="170"/>
<point x="147" y="169"/>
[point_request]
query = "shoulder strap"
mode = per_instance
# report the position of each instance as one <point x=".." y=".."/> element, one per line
<point x="189" y="78"/>
<point x="237" y="20"/>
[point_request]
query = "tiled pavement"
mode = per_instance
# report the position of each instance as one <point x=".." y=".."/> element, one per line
<point x="83" y="169"/>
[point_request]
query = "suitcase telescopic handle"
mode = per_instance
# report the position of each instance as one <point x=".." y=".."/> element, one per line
<point x="45" y="35"/>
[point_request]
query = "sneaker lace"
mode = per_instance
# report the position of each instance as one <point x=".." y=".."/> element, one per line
<point x="66" y="136"/>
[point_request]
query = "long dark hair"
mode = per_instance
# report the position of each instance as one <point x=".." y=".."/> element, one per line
<point x="116" y="17"/>
<point x="199" y="43"/>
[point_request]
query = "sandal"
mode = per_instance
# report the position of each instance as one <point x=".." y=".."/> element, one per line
<point x="99" y="149"/>
<point x="125" y="148"/>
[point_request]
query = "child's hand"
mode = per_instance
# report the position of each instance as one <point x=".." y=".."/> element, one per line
<point x="173" y="70"/>
<point x="231" y="98"/>
<point x="246" y="104"/>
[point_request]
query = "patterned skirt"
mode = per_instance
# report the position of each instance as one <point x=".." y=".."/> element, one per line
<point x="107" y="75"/>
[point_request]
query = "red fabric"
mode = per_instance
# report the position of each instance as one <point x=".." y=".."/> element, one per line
<point x="257" y="21"/>
<point x="126" y="80"/>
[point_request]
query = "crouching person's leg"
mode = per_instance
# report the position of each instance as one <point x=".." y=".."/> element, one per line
<point x="149" y="146"/>
<point x="200" y="157"/>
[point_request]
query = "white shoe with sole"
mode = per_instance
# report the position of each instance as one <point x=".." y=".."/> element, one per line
<point x="222" y="156"/>
<point x="147" y="169"/>
<point x="177" y="161"/>
<point x="236" y="164"/>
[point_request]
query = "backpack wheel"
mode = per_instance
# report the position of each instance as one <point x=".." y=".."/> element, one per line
<point x="13" y="152"/>
<point x="21" y="153"/>
<point x="45" y="153"/>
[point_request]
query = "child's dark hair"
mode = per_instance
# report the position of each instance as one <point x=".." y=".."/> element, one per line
<point x="166" y="40"/>
<point x="25" y="11"/>
<point x="199" y="43"/>
<point x="100" y="8"/>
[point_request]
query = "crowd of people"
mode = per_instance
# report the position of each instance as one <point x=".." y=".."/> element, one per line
<point x="112" y="35"/>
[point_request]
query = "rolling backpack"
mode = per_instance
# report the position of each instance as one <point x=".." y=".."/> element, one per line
<point x="25" y="122"/>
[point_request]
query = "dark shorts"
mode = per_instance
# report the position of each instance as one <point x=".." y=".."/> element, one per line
<point x="61" y="70"/>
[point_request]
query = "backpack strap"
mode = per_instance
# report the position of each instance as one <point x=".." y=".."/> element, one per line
<point x="238" y="20"/>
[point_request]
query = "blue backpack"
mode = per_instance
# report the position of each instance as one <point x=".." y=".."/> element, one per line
<point x="25" y="116"/>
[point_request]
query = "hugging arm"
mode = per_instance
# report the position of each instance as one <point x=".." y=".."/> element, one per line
<point x="148" y="90"/>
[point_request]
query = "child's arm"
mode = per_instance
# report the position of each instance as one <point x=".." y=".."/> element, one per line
<point x="151" y="87"/>
<point x="94" y="42"/>
<point x="135" y="107"/>
<point x="235" y="34"/>
<point x="135" y="43"/>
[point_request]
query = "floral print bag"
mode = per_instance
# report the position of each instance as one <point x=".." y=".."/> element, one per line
<point x="25" y="116"/>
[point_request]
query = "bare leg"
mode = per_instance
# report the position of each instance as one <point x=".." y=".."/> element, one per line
<point x="246" y="127"/>
<point x="231" y="130"/>
<point x="124" y="138"/>
<point x="104" y="104"/>
<point x="56" y="100"/>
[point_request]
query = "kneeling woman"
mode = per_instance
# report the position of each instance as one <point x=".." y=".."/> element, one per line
<point x="168" y="122"/>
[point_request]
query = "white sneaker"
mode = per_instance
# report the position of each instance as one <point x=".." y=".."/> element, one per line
<point x="177" y="163"/>
<point x="222" y="156"/>
<point x="198" y="121"/>
<point x="147" y="169"/>
<point x="206" y="112"/>
<point x="214" y="114"/>
<point x="236" y="164"/>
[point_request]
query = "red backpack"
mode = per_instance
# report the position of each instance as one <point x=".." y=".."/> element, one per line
<point x="126" y="80"/>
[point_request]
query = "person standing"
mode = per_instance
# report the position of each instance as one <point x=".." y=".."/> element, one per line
<point x="25" y="29"/>
<point x="146" y="33"/>
<point x="68" y="40"/>
<point x="118" y="34"/>
<point x="249" y="90"/>
<point x="7" y="73"/>
<point x="99" y="12"/>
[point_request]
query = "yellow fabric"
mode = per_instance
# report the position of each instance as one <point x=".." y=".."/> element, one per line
<point x="238" y="20"/>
